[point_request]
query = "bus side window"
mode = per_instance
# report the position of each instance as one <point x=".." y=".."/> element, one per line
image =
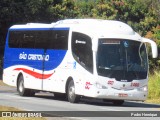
<point x="14" y="39"/>
<point x="60" y="39"/>
<point x="42" y="39"/>
<point x="28" y="40"/>
<point x="82" y="50"/>
<point x="21" y="39"/>
<point x="52" y="39"/>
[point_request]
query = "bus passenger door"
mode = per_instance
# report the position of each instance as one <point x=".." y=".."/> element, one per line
<point x="34" y="74"/>
<point x="48" y="70"/>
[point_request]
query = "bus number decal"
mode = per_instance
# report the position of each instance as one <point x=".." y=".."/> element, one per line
<point x="135" y="84"/>
<point x="88" y="84"/>
<point x="110" y="82"/>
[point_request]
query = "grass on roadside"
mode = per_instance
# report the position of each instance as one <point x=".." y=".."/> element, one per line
<point x="154" y="87"/>
<point x="156" y="101"/>
<point x="4" y="108"/>
<point x="2" y="83"/>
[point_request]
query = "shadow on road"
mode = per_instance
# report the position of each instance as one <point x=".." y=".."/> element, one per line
<point x="97" y="102"/>
<point x="126" y="104"/>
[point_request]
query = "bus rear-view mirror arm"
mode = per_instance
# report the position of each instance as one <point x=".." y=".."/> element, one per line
<point x="153" y="46"/>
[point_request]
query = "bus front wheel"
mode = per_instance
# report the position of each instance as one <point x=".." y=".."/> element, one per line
<point x="72" y="97"/>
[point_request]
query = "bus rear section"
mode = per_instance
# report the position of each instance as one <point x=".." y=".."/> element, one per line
<point x="33" y="54"/>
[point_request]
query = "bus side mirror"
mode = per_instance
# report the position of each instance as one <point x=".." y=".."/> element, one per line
<point x="153" y="46"/>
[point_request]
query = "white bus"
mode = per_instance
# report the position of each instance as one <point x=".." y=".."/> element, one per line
<point x="101" y="59"/>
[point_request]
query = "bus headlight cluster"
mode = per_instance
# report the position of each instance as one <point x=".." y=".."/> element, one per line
<point x="100" y="86"/>
<point x="144" y="88"/>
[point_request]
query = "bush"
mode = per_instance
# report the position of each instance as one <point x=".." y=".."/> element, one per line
<point x="154" y="85"/>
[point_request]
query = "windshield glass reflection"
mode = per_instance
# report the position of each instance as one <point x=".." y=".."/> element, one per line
<point x="122" y="59"/>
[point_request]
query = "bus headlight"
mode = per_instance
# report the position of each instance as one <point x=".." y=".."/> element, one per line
<point x="100" y="86"/>
<point x="144" y="88"/>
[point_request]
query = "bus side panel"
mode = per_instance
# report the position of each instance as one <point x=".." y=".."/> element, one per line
<point x="57" y="56"/>
<point x="52" y="68"/>
<point x="8" y="76"/>
<point x="26" y="61"/>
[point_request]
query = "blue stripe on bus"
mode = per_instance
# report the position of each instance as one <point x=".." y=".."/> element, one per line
<point x="55" y="58"/>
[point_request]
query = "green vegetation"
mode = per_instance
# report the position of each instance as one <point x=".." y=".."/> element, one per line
<point x="4" y="108"/>
<point x="154" y="87"/>
<point x="2" y="84"/>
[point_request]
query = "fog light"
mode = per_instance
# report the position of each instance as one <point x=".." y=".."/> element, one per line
<point x="100" y="86"/>
<point x="144" y="88"/>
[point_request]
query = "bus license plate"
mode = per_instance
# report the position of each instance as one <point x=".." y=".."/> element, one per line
<point x="123" y="95"/>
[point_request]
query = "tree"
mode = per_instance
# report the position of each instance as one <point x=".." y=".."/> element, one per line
<point x="154" y="34"/>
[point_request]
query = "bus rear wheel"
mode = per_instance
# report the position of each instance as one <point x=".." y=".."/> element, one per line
<point x="21" y="89"/>
<point x="72" y="97"/>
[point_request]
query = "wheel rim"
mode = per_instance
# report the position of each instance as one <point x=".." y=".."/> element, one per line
<point x="21" y="86"/>
<point x="71" y="91"/>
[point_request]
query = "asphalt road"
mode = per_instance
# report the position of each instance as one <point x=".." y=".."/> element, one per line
<point x="86" y="109"/>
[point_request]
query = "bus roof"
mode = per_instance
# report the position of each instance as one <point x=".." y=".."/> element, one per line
<point x="92" y="27"/>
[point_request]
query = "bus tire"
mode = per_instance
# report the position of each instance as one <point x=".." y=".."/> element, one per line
<point x="118" y="102"/>
<point x="21" y="89"/>
<point x="72" y="97"/>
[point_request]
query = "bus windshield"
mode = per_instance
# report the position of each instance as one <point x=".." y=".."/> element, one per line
<point x="124" y="60"/>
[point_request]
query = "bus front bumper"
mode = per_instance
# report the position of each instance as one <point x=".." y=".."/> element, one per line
<point x="115" y="94"/>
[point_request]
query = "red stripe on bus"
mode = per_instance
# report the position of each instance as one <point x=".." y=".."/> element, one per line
<point x="35" y="74"/>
